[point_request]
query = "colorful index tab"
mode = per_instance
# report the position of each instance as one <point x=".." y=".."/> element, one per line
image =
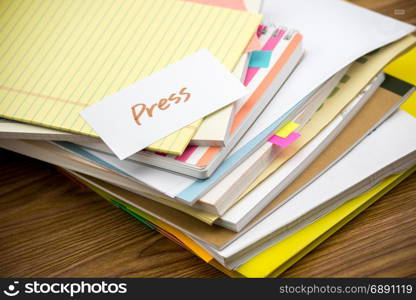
<point x="270" y="45"/>
<point x="284" y="142"/>
<point x="287" y="129"/>
<point x="260" y="59"/>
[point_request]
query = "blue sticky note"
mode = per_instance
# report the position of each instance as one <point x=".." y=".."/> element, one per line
<point x="260" y="59"/>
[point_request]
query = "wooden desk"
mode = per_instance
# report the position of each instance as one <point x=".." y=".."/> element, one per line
<point x="52" y="227"/>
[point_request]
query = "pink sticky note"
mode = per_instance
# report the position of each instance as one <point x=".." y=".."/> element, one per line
<point x="284" y="142"/>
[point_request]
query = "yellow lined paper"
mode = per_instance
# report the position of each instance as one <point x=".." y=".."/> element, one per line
<point x="58" y="57"/>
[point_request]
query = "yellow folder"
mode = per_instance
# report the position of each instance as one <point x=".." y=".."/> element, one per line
<point x="278" y="258"/>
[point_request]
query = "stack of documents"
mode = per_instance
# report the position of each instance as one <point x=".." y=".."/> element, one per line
<point x="248" y="132"/>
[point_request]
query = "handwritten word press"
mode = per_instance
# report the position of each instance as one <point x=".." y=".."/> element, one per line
<point x="139" y="109"/>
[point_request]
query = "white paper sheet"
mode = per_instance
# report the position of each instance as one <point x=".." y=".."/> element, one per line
<point x="166" y="101"/>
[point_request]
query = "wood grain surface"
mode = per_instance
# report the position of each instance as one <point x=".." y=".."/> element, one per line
<point x="52" y="227"/>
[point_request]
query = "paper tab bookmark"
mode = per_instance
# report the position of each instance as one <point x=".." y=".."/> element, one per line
<point x="284" y="142"/>
<point x="287" y="129"/>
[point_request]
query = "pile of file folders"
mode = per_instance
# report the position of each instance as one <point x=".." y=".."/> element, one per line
<point x="326" y="125"/>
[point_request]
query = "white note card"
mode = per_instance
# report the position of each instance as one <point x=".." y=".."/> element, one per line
<point x="166" y="101"/>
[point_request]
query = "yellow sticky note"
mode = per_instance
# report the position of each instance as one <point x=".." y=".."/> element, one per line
<point x="58" y="57"/>
<point x="287" y="129"/>
<point x="409" y="105"/>
<point x="404" y="67"/>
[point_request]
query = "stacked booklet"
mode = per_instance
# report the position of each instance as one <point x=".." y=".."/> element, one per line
<point x="244" y="130"/>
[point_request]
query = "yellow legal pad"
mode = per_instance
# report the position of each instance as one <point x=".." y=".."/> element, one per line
<point x="58" y="57"/>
